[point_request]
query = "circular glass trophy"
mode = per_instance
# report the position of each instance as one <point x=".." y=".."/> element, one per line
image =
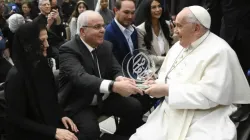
<point x="138" y="66"/>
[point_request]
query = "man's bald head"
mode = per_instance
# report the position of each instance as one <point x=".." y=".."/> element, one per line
<point x="90" y="27"/>
<point x="86" y="17"/>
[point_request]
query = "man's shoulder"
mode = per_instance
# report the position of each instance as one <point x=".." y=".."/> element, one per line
<point x="69" y="46"/>
<point x="40" y="19"/>
<point x="110" y="26"/>
<point x="217" y="44"/>
<point x="109" y="32"/>
<point x="107" y="43"/>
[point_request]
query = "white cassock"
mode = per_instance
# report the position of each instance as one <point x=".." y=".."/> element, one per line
<point x="204" y="86"/>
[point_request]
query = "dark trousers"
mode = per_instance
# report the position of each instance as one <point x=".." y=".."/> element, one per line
<point x="146" y="102"/>
<point x="128" y="109"/>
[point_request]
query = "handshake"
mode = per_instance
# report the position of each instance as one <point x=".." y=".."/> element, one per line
<point x="126" y="86"/>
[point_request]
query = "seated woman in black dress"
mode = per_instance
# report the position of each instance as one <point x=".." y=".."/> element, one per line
<point x="33" y="112"/>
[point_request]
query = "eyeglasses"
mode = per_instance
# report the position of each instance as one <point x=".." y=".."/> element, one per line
<point x="96" y="27"/>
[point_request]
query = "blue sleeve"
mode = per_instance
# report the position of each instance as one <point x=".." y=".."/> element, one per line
<point x="2" y="41"/>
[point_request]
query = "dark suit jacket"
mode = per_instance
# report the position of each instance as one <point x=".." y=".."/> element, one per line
<point x="120" y="44"/>
<point x="214" y="9"/>
<point x="178" y="5"/>
<point x="79" y="80"/>
<point x="236" y="16"/>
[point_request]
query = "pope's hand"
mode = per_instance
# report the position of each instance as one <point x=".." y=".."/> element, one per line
<point x="157" y="90"/>
<point x="68" y="122"/>
<point x="126" y="88"/>
<point x="149" y="82"/>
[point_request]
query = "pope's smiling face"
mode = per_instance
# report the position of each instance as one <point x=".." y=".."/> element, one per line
<point x="186" y="29"/>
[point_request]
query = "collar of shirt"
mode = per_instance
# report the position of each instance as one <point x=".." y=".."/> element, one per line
<point x="87" y="45"/>
<point x="130" y="27"/>
<point x="196" y="43"/>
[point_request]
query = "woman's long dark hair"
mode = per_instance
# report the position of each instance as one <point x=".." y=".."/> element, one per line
<point x="76" y="13"/>
<point x="148" y="25"/>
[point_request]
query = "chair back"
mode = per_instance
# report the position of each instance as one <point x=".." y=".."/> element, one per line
<point x="68" y="34"/>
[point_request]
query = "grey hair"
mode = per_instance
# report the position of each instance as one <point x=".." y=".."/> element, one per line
<point x="15" y="21"/>
<point x="82" y="20"/>
<point x="40" y="3"/>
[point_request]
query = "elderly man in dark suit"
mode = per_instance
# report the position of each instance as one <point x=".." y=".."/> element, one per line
<point x="91" y="81"/>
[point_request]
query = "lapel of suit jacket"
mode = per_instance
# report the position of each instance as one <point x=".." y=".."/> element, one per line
<point x="120" y="36"/>
<point x="134" y="38"/>
<point x="86" y="55"/>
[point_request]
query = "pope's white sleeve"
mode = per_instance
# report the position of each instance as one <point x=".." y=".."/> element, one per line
<point x="187" y="97"/>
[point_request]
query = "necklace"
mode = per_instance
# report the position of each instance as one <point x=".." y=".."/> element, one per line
<point x="173" y="66"/>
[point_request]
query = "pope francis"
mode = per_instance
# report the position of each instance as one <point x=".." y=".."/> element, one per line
<point x="201" y="80"/>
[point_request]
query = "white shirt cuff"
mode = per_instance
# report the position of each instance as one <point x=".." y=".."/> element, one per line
<point x="104" y="88"/>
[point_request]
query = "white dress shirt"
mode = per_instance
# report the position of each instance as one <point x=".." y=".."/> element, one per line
<point x="161" y="42"/>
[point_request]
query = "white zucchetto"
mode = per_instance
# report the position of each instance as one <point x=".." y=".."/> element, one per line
<point x="202" y="15"/>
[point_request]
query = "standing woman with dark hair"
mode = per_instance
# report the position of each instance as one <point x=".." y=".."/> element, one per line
<point x="81" y="6"/>
<point x="33" y="112"/>
<point x="154" y="35"/>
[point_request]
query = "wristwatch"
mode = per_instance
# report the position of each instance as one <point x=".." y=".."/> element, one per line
<point x="111" y="86"/>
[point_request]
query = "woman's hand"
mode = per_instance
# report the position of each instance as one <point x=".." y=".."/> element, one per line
<point x="68" y="122"/>
<point x="63" y="134"/>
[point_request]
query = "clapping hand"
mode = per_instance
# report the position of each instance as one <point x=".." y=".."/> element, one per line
<point x="50" y="20"/>
<point x="54" y="13"/>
